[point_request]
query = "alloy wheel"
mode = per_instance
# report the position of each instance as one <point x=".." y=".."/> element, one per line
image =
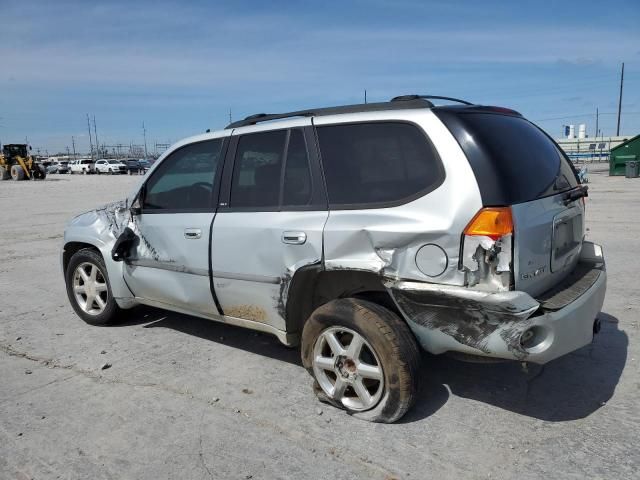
<point x="348" y="369"/>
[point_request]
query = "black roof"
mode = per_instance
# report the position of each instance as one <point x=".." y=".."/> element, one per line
<point x="397" y="103"/>
<point x="403" y="102"/>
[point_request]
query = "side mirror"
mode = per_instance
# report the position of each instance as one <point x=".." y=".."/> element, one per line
<point x="125" y="243"/>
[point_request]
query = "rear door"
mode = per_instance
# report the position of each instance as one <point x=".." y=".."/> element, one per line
<point x="269" y="224"/>
<point x="170" y="264"/>
<point x="516" y="164"/>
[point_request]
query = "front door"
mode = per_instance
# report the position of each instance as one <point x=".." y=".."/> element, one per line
<point x="170" y="264"/>
<point x="269" y="223"/>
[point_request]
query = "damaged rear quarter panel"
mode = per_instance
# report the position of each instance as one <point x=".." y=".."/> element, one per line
<point x="386" y="240"/>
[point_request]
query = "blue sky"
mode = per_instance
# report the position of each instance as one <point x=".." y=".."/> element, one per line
<point x="180" y="66"/>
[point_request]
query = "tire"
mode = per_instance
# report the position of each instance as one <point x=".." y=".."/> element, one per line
<point x="4" y="174"/>
<point x="87" y="260"/>
<point x="84" y="172"/>
<point x="17" y="172"/>
<point x="389" y="352"/>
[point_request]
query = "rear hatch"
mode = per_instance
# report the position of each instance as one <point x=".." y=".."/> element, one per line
<point x="516" y="164"/>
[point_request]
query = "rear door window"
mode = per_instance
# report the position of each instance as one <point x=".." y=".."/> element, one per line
<point x="271" y="171"/>
<point x="256" y="171"/>
<point x="377" y="164"/>
<point x="513" y="160"/>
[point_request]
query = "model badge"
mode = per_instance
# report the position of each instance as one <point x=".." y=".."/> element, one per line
<point x="535" y="273"/>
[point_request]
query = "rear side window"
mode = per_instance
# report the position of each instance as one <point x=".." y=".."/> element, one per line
<point x="377" y="164"/>
<point x="513" y="160"/>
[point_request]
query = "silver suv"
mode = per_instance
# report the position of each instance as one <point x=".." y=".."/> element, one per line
<point x="360" y="232"/>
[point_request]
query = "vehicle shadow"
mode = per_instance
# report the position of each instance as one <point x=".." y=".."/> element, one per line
<point x="568" y="388"/>
<point x="225" y="334"/>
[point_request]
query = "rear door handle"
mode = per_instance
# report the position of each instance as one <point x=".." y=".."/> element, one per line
<point x="192" y="233"/>
<point x="294" y="238"/>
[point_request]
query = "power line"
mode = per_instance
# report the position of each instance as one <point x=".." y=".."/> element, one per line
<point x="578" y="115"/>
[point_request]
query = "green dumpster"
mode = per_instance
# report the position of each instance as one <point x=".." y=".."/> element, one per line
<point x="627" y="151"/>
<point x="618" y="164"/>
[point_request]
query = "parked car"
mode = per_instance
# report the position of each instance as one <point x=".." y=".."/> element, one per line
<point x="82" y="166"/>
<point x="63" y="167"/>
<point x="144" y="165"/>
<point x="53" y="168"/>
<point x="111" y="167"/>
<point x="137" y="167"/>
<point x="362" y="233"/>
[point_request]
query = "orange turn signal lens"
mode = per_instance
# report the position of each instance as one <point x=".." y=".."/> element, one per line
<point x="492" y="222"/>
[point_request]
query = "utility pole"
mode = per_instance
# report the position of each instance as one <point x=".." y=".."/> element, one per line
<point x="73" y="142"/>
<point x="620" y="100"/>
<point x="95" y="135"/>
<point x="90" y="140"/>
<point x="230" y="120"/>
<point x="144" y="133"/>
<point x="365" y="95"/>
<point x="596" y="123"/>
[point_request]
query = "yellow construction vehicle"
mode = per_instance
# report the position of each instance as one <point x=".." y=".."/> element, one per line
<point x="18" y="164"/>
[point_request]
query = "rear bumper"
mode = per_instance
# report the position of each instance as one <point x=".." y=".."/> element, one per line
<point x="510" y="325"/>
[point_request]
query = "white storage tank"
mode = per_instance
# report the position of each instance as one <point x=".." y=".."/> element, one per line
<point x="572" y="131"/>
<point x="582" y="130"/>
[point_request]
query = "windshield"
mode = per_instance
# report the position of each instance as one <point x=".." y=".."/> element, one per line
<point x="114" y="162"/>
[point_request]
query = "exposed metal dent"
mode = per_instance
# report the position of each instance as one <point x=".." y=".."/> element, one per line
<point x="472" y="318"/>
<point x="487" y="262"/>
<point x="247" y="277"/>
<point x="168" y="266"/>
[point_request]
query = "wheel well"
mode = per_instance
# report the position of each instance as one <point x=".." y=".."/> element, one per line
<point x="71" y="248"/>
<point x="312" y="286"/>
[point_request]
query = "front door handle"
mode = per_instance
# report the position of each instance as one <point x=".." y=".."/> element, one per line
<point x="192" y="233"/>
<point x="294" y="238"/>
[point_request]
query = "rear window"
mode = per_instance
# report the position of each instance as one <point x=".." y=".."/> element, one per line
<point x="377" y="164"/>
<point x="513" y="160"/>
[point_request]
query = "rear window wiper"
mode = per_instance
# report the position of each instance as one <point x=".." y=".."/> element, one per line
<point x="580" y="191"/>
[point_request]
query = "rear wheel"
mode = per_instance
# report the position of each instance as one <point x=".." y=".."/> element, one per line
<point x="363" y="357"/>
<point x="17" y="172"/>
<point x="88" y="288"/>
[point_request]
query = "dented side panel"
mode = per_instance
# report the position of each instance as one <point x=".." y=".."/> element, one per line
<point x="253" y="263"/>
<point x="166" y="265"/>
<point x="386" y="240"/>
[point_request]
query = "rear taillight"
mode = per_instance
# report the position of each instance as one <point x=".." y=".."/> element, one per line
<point x="491" y="222"/>
<point x="487" y="249"/>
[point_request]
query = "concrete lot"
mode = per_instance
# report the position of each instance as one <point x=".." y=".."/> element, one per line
<point x="191" y="399"/>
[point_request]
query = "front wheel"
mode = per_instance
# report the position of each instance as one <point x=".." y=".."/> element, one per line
<point x="363" y="357"/>
<point x="88" y="288"/>
<point x="17" y="172"/>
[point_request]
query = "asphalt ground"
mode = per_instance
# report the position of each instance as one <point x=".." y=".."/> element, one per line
<point x="192" y="399"/>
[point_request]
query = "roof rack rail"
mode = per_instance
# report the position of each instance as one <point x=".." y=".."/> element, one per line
<point x="418" y="102"/>
<point x="405" y="98"/>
